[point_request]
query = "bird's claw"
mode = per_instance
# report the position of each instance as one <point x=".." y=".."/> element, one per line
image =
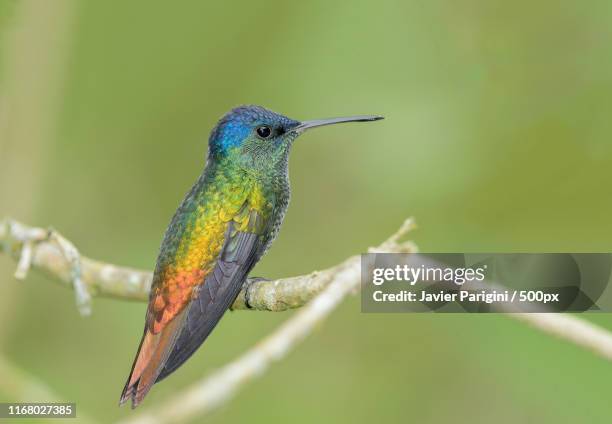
<point x="247" y="289"/>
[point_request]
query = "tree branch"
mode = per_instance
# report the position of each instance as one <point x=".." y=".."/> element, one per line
<point x="48" y="251"/>
<point x="206" y="395"/>
<point x="571" y="329"/>
<point x="24" y="387"/>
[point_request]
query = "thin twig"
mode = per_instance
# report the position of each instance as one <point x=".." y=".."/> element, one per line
<point x="72" y="255"/>
<point x="572" y="329"/>
<point x="28" y="242"/>
<point x="131" y="284"/>
<point x="21" y="386"/>
<point x="206" y="395"/>
<point x="24" y="387"/>
<point x="51" y="253"/>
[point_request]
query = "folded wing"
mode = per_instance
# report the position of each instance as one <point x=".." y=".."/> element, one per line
<point x="167" y="343"/>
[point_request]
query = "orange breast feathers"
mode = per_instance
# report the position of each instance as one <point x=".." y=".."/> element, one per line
<point x="200" y="243"/>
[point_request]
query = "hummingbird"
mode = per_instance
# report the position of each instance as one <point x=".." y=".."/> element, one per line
<point x="224" y="225"/>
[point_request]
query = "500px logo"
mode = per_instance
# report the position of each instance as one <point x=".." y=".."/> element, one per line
<point x="412" y="275"/>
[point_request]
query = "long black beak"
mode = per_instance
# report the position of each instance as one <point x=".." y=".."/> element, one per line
<point x="306" y="125"/>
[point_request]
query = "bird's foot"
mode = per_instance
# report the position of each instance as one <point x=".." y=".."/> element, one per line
<point x="248" y="284"/>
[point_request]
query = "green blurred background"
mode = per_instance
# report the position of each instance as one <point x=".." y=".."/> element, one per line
<point x="497" y="138"/>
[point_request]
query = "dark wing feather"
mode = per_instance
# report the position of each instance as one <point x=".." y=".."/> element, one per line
<point x="238" y="256"/>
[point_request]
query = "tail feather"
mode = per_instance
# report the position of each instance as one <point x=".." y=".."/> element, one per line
<point x="148" y="344"/>
<point x="152" y="355"/>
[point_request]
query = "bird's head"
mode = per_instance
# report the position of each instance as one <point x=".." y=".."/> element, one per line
<point x="258" y="138"/>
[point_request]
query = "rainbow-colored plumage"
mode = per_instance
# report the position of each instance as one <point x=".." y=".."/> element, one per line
<point x="222" y="228"/>
<point x="198" y="231"/>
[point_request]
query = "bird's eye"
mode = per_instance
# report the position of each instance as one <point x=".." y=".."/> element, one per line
<point x="264" y="131"/>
